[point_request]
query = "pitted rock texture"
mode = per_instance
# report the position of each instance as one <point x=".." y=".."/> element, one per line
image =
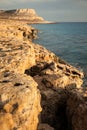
<point x="19" y="102"/>
<point x="19" y="96"/>
<point x="12" y="29"/>
<point x="28" y="70"/>
<point x="53" y="69"/>
<point x="16" y="51"/>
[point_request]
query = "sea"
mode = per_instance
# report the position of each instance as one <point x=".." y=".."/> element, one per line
<point x="67" y="40"/>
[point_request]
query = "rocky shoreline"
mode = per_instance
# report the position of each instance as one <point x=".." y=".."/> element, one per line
<point x="38" y="90"/>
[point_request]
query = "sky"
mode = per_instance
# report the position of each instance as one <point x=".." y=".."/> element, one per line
<point x="52" y="10"/>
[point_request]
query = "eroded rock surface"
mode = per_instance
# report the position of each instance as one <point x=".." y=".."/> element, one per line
<point x="19" y="96"/>
<point x="53" y="69"/>
<point x="19" y="102"/>
<point x="29" y="71"/>
<point x="16" y="51"/>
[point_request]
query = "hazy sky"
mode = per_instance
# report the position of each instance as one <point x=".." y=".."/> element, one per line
<point x="53" y="10"/>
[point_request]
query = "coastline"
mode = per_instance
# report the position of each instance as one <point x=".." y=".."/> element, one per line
<point x="28" y="22"/>
<point x="32" y="77"/>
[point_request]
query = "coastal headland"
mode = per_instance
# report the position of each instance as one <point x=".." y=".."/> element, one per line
<point x="38" y="90"/>
<point x="25" y="15"/>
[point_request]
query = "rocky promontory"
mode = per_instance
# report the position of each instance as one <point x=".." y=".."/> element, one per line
<point x="38" y="90"/>
<point x="25" y="15"/>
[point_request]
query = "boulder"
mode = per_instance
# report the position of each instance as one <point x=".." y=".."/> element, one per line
<point x="19" y="102"/>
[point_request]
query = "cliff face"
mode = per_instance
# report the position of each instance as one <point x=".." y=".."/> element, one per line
<point x="29" y="71"/>
<point x="28" y="15"/>
<point x="26" y="11"/>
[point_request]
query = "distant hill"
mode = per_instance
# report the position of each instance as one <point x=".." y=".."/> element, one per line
<point x="28" y="15"/>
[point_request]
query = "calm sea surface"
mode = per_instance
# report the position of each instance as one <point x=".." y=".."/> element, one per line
<point x="67" y="40"/>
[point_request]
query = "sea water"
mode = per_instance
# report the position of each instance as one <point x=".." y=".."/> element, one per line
<point x="66" y="40"/>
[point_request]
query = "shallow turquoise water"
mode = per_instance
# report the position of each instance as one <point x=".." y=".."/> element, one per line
<point x="67" y="40"/>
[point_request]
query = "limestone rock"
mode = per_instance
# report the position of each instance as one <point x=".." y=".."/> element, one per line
<point x="19" y="96"/>
<point x="77" y="109"/>
<point x="53" y="76"/>
<point x="11" y="29"/>
<point x="19" y="102"/>
<point x="16" y="51"/>
<point x="28" y="15"/>
<point x="53" y="70"/>
<point x="29" y="11"/>
<point x="56" y="80"/>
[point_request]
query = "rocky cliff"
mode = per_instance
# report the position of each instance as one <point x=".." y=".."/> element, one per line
<point x="28" y="15"/>
<point x="38" y="90"/>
